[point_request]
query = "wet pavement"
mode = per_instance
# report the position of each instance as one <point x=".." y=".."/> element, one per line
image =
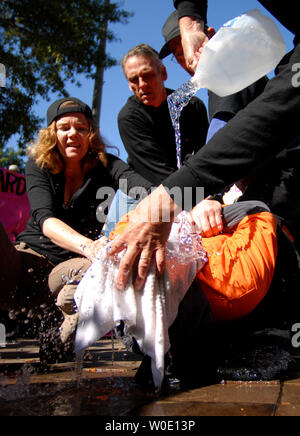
<point x="106" y="386"/>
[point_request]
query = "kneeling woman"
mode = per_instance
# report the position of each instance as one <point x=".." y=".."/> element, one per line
<point x="67" y="166"/>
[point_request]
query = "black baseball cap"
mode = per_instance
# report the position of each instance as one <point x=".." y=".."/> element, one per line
<point x="170" y="30"/>
<point x="55" y="110"/>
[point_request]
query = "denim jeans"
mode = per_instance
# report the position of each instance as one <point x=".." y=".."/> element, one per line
<point x="121" y="205"/>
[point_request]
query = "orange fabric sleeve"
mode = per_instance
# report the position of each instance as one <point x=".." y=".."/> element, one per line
<point x="240" y="267"/>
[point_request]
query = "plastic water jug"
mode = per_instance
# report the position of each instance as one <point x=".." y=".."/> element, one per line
<point x="241" y="52"/>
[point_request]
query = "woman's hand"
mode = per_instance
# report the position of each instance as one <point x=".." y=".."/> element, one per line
<point x="91" y="250"/>
<point x="207" y="215"/>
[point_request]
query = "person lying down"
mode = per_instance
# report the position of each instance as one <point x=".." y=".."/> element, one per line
<point x="233" y="270"/>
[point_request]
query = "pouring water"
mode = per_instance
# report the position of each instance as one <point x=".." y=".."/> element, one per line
<point x="242" y="51"/>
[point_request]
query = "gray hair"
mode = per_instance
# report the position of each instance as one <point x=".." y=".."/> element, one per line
<point x="142" y="50"/>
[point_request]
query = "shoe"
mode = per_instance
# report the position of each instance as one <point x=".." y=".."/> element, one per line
<point x="143" y="376"/>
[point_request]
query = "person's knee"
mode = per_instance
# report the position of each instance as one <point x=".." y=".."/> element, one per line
<point x="69" y="272"/>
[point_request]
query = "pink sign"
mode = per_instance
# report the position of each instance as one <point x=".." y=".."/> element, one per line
<point x="14" y="204"/>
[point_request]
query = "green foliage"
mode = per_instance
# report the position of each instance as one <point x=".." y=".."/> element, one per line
<point x="42" y="45"/>
<point x="9" y="156"/>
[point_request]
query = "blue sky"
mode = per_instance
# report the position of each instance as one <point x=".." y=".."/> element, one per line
<point x="145" y="27"/>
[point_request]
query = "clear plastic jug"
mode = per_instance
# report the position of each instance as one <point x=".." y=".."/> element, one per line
<point x="242" y="51"/>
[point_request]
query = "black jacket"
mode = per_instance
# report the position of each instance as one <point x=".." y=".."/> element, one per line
<point x="286" y="12"/>
<point x="264" y="128"/>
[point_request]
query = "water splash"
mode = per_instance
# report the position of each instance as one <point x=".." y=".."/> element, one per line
<point x="185" y="245"/>
<point x="176" y="102"/>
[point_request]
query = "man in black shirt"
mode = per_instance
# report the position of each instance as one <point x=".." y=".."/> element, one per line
<point x="221" y="109"/>
<point x="267" y="125"/>
<point x="146" y="128"/>
<point x="258" y="134"/>
<point x="144" y="122"/>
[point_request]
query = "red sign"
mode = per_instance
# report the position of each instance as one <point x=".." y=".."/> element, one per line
<point x="14" y="204"/>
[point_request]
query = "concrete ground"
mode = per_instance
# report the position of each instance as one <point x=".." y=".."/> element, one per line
<point x="106" y="387"/>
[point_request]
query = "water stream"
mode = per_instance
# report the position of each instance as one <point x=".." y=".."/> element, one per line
<point x="177" y="101"/>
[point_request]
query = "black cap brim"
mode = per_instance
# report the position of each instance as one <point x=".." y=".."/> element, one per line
<point x="55" y="110"/>
<point x="170" y="31"/>
<point x="165" y="51"/>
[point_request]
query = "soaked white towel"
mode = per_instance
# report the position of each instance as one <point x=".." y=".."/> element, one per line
<point x="149" y="313"/>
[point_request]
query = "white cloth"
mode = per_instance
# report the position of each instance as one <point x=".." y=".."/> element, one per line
<point x="149" y="313"/>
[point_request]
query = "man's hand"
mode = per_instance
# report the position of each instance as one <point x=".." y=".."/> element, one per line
<point x="208" y="217"/>
<point x="145" y="237"/>
<point x="193" y="40"/>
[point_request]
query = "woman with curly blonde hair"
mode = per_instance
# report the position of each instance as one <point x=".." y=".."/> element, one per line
<point x="46" y="153"/>
<point x="67" y="166"/>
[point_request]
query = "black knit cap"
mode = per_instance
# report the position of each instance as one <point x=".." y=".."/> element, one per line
<point x="55" y="110"/>
<point x="170" y="31"/>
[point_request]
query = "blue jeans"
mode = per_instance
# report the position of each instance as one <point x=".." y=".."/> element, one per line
<point x="120" y="206"/>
